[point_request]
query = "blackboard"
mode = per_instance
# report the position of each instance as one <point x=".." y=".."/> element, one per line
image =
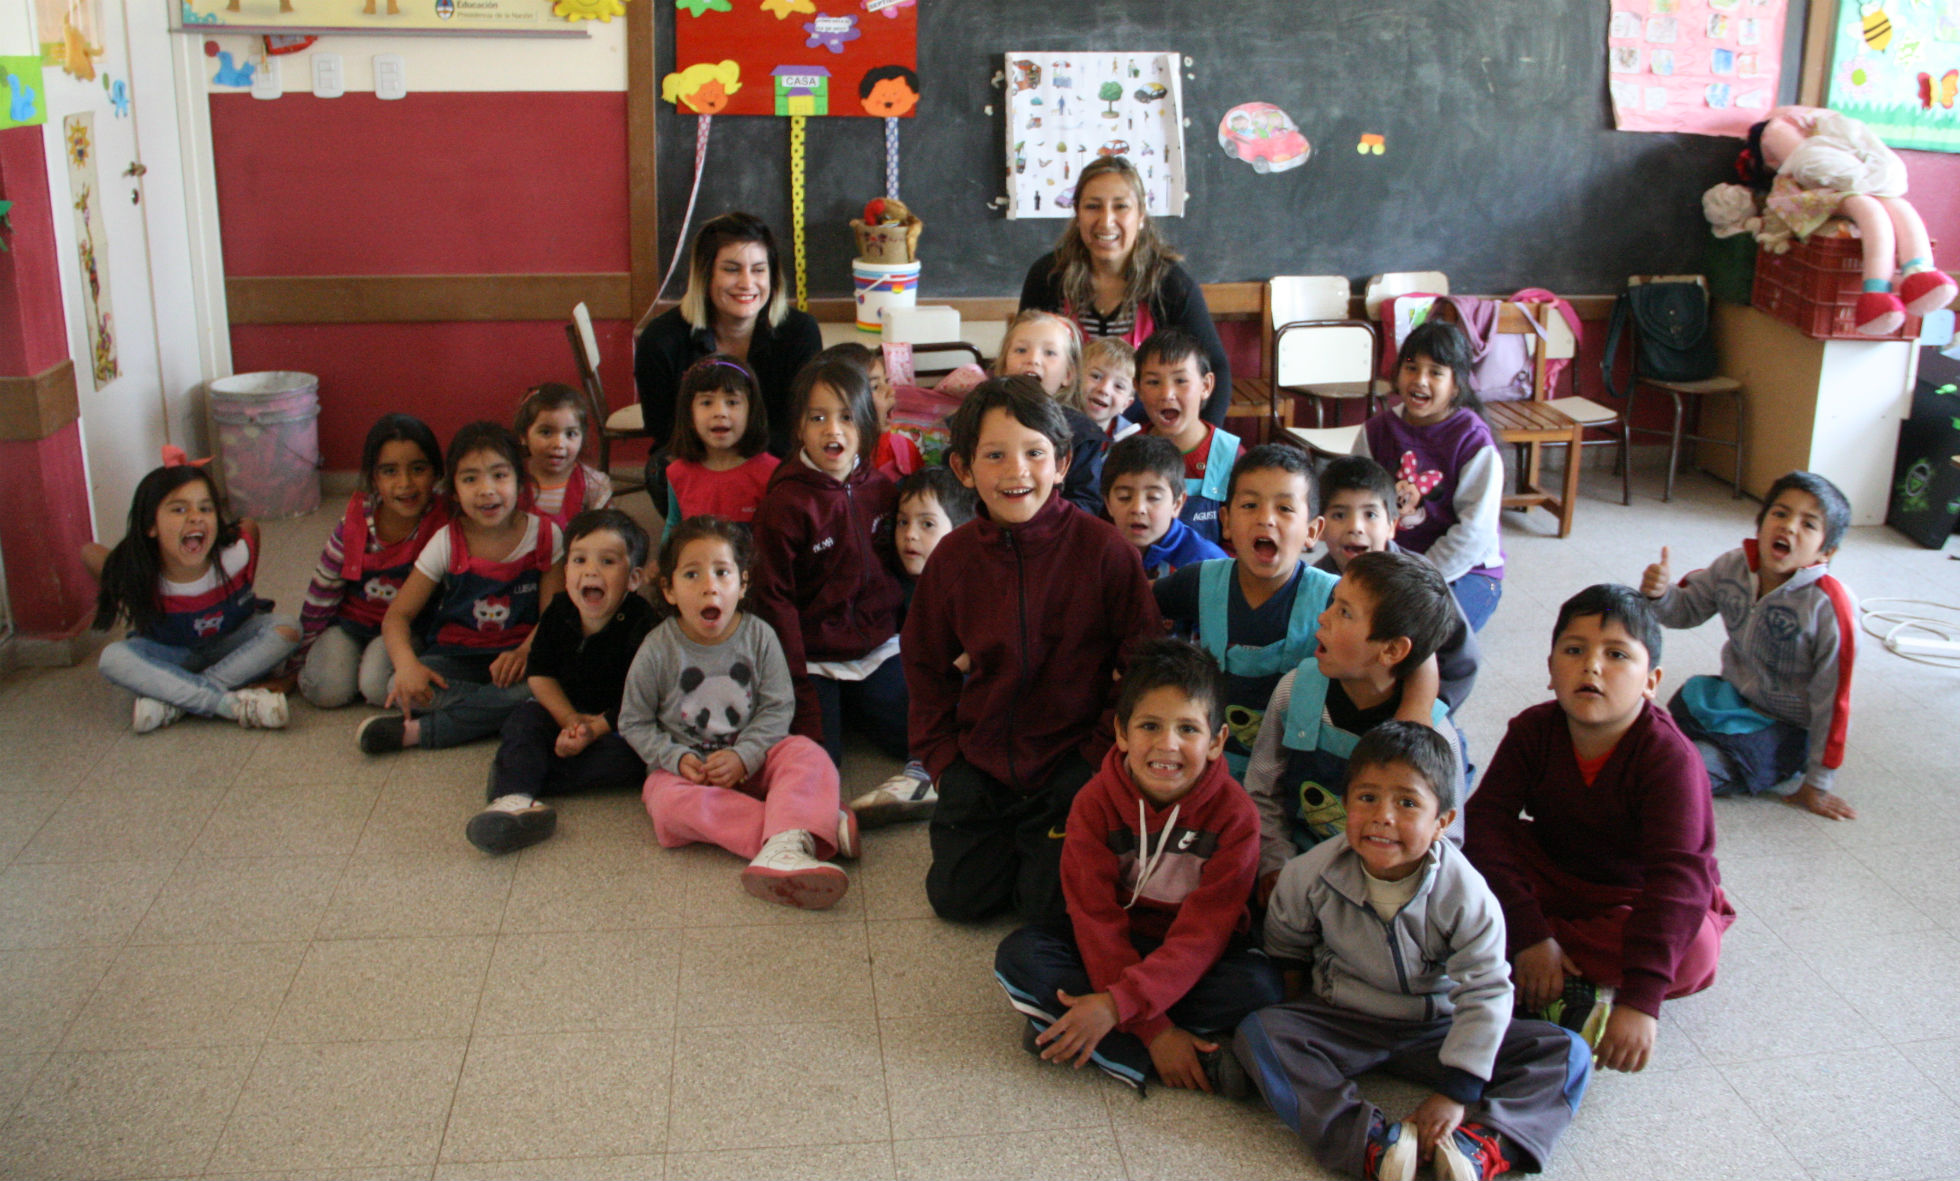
<point x="1501" y="166"/>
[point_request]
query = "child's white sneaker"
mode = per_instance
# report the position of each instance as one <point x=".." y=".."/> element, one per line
<point x="260" y="709"/>
<point x="152" y="714"/>
<point x="847" y="835"/>
<point x="908" y="795"/>
<point x="787" y="871"/>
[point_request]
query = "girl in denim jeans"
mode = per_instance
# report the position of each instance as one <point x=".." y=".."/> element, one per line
<point x="182" y="578"/>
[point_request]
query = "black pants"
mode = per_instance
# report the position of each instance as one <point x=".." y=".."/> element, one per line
<point x="1035" y="961"/>
<point x="876" y="706"/>
<point x="994" y="847"/>
<point x="527" y="765"/>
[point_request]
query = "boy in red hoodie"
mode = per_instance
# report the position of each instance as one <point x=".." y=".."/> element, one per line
<point x="1043" y="599"/>
<point x="1158" y="865"/>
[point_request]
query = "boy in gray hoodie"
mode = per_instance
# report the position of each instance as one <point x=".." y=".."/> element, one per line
<point x="1393" y="948"/>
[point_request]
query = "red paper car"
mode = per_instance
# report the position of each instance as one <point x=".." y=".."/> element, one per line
<point x="1263" y="136"/>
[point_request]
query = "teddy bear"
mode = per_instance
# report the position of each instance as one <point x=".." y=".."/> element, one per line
<point x="1817" y="163"/>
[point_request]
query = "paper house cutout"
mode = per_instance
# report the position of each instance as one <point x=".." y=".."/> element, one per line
<point x="802" y="90"/>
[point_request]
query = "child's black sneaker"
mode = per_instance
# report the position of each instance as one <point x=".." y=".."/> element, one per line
<point x="1391" y="1152"/>
<point x="1225" y="1073"/>
<point x="381" y="734"/>
<point x="1028" y="1034"/>
<point x="511" y="823"/>
<point x="1470" y="1153"/>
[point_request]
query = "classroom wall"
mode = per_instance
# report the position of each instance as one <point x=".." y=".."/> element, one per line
<point x="508" y="156"/>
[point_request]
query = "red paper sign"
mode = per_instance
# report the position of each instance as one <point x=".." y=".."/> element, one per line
<point x="795" y="57"/>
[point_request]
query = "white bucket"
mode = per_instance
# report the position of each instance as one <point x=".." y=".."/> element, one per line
<point x="881" y="285"/>
<point x="268" y="436"/>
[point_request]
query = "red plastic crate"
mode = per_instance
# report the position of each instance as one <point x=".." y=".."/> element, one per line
<point x="1815" y="288"/>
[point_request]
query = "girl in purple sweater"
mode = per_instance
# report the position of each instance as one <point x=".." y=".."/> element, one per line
<point x="1449" y="478"/>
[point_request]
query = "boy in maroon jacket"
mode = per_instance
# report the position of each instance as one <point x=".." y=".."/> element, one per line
<point x="1611" y="895"/>
<point x="1043" y="599"/>
<point x="1162" y="849"/>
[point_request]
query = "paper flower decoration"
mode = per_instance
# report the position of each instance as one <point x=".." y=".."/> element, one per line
<point x="588" y="10"/>
<point x="782" y="8"/>
<point x="697" y="7"/>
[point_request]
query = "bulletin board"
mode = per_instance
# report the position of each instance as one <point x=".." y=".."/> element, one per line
<point x="804" y="57"/>
<point x="1711" y="67"/>
<point x="1896" y="67"/>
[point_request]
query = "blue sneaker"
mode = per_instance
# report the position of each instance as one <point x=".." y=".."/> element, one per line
<point x="1391" y="1152"/>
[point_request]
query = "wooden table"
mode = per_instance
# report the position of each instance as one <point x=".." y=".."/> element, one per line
<point x="1531" y="425"/>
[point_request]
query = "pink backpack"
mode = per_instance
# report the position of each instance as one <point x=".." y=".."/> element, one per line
<point x="1502" y="361"/>
<point x="1555" y="367"/>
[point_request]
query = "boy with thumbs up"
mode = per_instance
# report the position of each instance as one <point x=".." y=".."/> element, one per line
<point x="1775" y="720"/>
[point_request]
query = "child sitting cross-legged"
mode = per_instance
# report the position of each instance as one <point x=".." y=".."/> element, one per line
<point x="931" y="504"/>
<point x="1782" y="706"/>
<point x="1043" y="600"/>
<point x="1358" y="517"/>
<point x="1595" y="829"/>
<point x="1383" y="621"/>
<point x="708" y="705"/>
<point x="1153" y="961"/>
<point x="1143" y="491"/>
<point x="565" y="739"/>
<point x="1393" y="951"/>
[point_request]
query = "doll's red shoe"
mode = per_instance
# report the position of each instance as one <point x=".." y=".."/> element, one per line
<point x="1880" y="313"/>
<point x="1926" y="292"/>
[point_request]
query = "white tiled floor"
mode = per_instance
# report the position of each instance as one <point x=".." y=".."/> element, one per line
<point x="234" y="954"/>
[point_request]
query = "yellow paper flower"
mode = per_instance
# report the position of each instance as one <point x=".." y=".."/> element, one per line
<point x="587" y="10"/>
<point x="783" y="8"/>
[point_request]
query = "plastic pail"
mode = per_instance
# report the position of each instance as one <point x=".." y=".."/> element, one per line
<point x="268" y="436"/>
<point x="883" y="285"/>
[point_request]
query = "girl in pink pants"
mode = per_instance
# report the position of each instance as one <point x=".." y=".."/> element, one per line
<point x="708" y="705"/>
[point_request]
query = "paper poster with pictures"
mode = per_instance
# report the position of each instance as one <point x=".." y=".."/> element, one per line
<point x="1065" y="109"/>
<point x="1895" y="65"/>
<point x="1710" y="67"/>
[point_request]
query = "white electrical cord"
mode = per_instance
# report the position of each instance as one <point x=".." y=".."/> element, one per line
<point x="1917" y="638"/>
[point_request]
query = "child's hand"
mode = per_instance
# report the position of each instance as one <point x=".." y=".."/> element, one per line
<point x="693" y="769"/>
<point x="1174" y="1053"/>
<point x="1628" y="1041"/>
<point x="413" y="687"/>
<point x="1824" y="803"/>
<point x="508" y="668"/>
<point x="1088" y="1020"/>
<point x="724" y="768"/>
<point x="1541" y="970"/>
<point x="573" y="739"/>
<point x="1436" y="1118"/>
<point x="1656" y="580"/>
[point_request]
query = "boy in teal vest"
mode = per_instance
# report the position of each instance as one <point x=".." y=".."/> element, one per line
<point x="1383" y="622"/>
<point x="1174" y="379"/>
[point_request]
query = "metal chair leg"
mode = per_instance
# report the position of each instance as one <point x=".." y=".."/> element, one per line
<point x="1673" y="449"/>
<point x="1736" y="400"/>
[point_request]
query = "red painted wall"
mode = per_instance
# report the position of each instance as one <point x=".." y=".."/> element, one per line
<point x="33" y="334"/>
<point x="1935" y="192"/>
<point x="48" y="592"/>
<point x="433" y="184"/>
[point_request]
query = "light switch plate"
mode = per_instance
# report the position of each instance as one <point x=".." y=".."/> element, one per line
<point x="328" y="79"/>
<point x="390" y="78"/>
<point x="265" y="79"/>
